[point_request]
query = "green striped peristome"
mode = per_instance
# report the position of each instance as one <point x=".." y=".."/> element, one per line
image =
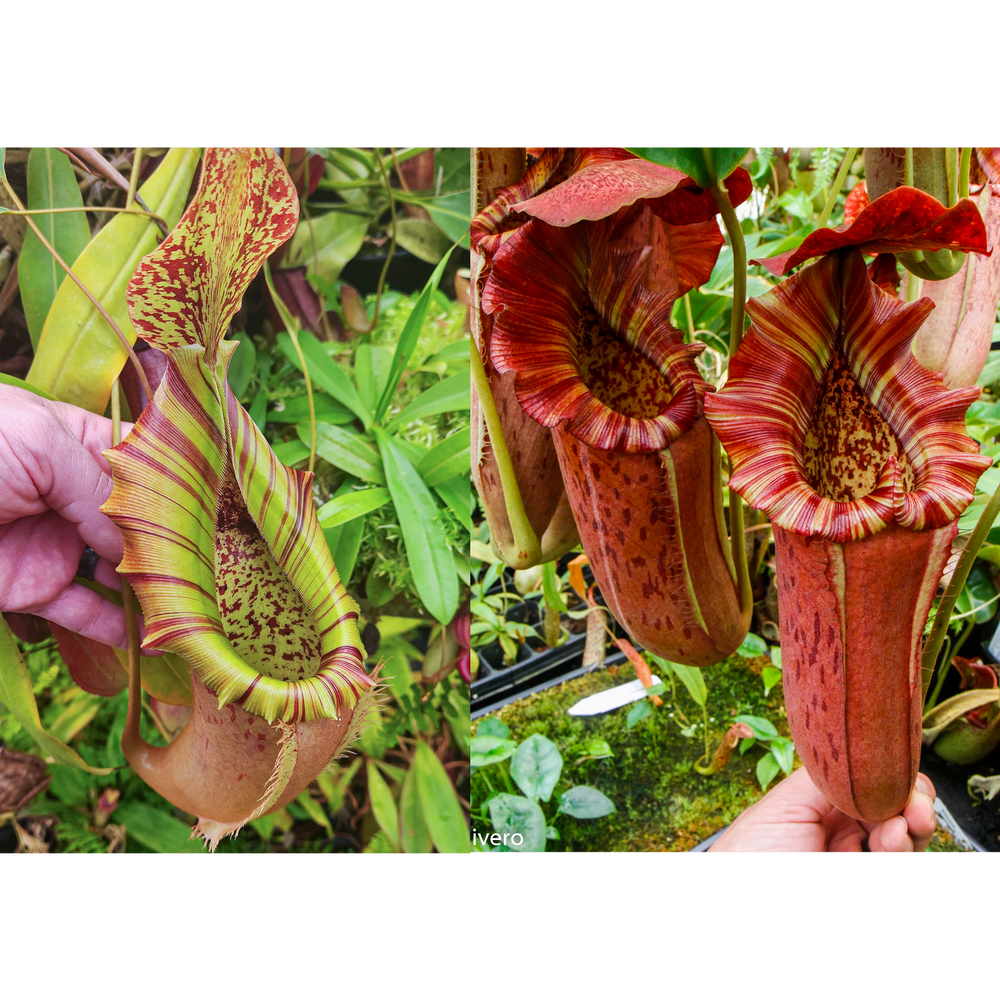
<point x="222" y="543"/>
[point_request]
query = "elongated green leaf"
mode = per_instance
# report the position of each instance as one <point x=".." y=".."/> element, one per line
<point x="459" y="351"/>
<point x="325" y="372"/>
<point x="344" y="540"/>
<point x="346" y="450"/>
<point x="414" y="837"/>
<point x="550" y="588"/>
<point x="17" y="697"/>
<point x="694" y="681"/>
<point x="21" y="384"/>
<point x="408" y="338"/>
<point x="290" y="452"/>
<point x="78" y="355"/>
<point x="314" y="811"/>
<point x="439" y="804"/>
<point x="355" y="504"/>
<point x="157" y="829"/>
<point x="3" y="167"/>
<point x="447" y="459"/>
<point x="371" y="371"/>
<point x="296" y="411"/>
<point x="242" y="365"/>
<point x="452" y="393"/>
<point x="383" y="805"/>
<point x="457" y="494"/>
<point x="430" y="558"/>
<point x="51" y="184"/>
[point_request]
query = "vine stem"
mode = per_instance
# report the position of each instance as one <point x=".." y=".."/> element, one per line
<point x="838" y="183"/>
<point x="143" y="381"/>
<point x="739" y="249"/>
<point x="939" y="629"/>
<point x="392" y="240"/>
<point x="292" y="329"/>
<point x="96" y="210"/>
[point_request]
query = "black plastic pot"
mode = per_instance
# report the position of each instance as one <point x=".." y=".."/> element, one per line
<point x="407" y="274"/>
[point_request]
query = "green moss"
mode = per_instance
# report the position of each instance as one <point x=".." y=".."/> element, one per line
<point x="662" y="803"/>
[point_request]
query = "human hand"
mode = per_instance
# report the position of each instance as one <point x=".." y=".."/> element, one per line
<point x="796" y="816"/>
<point x="53" y="480"/>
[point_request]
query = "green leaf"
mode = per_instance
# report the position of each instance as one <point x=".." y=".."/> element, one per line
<point x="439" y="804"/>
<point x="345" y="449"/>
<point x="770" y="677"/>
<point x="761" y="728"/>
<point x="596" y="747"/>
<point x="457" y="494"/>
<point x="383" y="805"/>
<point x="450" y="213"/>
<point x="637" y="713"/>
<point x="344" y="540"/>
<point x="423" y="239"/>
<point x="584" y="802"/>
<point x="693" y="680"/>
<point x="767" y="770"/>
<point x="752" y="645"/>
<point x="414" y="837"/>
<point x="775" y="654"/>
<point x="51" y="184"/>
<point x="453" y="393"/>
<point x="17" y="697"/>
<point x="339" y="236"/>
<point x="156" y="829"/>
<point x="550" y="588"/>
<point x="242" y="365"/>
<point x="21" y="384"/>
<point x="296" y="411"/>
<point x="486" y="750"/>
<point x="519" y="822"/>
<point x="290" y="452"/>
<point x="427" y="550"/>
<point x="536" y="767"/>
<point x="325" y="372"/>
<point x="79" y="355"/>
<point x="447" y="459"/>
<point x="493" y="727"/>
<point x="408" y="340"/>
<point x="784" y="753"/>
<point x="703" y="166"/>
<point x="355" y="504"/>
<point x="371" y="371"/>
<point x="655" y="689"/>
<point x="314" y="810"/>
<point x="3" y="167"/>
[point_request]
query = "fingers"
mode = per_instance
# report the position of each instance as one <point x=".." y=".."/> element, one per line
<point x="81" y="610"/>
<point x="911" y="831"/>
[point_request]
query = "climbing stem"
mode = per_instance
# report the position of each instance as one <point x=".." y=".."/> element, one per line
<point x="525" y="539"/>
<point x="838" y="183"/>
<point x="739" y="249"/>
<point x="939" y="629"/>
<point x="946" y="663"/>
<point x="292" y="329"/>
<point x="392" y="239"/>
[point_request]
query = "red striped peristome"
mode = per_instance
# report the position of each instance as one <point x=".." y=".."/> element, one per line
<point x="825" y="401"/>
<point x="544" y="285"/>
<point x="776" y="377"/>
